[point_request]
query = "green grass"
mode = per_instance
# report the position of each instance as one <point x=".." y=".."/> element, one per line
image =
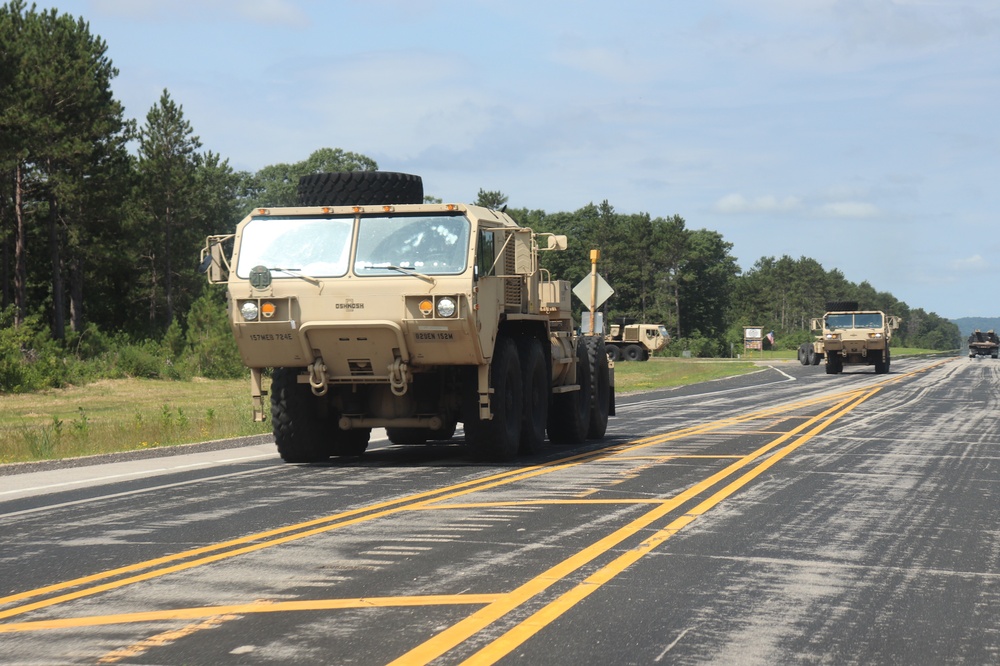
<point x="129" y="414"/>
<point x="666" y="372"/>
<point x="122" y="415"/>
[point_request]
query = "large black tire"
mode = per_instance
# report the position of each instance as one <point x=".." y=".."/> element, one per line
<point x="614" y="353"/>
<point x="841" y="306"/>
<point x="882" y="364"/>
<point x="301" y="433"/>
<point x="804" y="353"/>
<point x="297" y="426"/>
<point x="361" y="188"/>
<point x="834" y="364"/>
<point x="815" y="358"/>
<point x="349" y="442"/>
<point x="499" y="438"/>
<point x="569" y="414"/>
<point x="407" y="436"/>
<point x="536" y="373"/>
<point x="600" y="391"/>
<point x="634" y="353"/>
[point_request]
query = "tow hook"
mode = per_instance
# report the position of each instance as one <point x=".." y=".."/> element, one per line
<point x="397" y="377"/>
<point x="317" y="377"/>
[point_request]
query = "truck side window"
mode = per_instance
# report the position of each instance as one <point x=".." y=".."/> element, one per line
<point x="485" y="254"/>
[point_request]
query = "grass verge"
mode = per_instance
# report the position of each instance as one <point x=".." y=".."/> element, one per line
<point x="116" y="415"/>
<point x="667" y="372"/>
<point x="122" y="415"/>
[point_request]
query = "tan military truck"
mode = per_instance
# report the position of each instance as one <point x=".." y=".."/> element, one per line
<point x="635" y="342"/>
<point x="855" y="337"/>
<point x="984" y="344"/>
<point x="373" y="309"/>
<point x="811" y="353"/>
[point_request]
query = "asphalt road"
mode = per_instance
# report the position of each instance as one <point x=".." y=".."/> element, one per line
<point x="781" y="517"/>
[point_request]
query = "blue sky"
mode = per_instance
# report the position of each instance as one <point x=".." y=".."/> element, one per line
<point x="862" y="133"/>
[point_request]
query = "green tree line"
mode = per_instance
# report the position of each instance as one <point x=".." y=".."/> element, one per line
<point x="102" y="218"/>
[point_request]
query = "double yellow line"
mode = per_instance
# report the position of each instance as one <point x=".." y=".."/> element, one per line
<point x="494" y="606"/>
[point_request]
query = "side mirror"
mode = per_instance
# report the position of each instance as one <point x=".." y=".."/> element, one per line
<point x="557" y="242"/>
<point x="213" y="260"/>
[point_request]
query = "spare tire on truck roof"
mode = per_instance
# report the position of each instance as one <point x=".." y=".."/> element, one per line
<point x="362" y="188"/>
<point x="841" y="306"/>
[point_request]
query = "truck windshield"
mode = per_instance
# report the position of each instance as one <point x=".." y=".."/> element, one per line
<point x="859" y="320"/>
<point x="315" y="246"/>
<point x="436" y="244"/>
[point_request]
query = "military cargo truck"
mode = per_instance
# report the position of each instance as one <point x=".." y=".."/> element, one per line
<point x="984" y="344"/>
<point x="855" y="337"/>
<point x="635" y="342"/>
<point x="372" y="309"/>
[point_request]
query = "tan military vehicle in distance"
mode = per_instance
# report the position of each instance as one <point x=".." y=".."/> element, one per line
<point x="635" y="342"/>
<point x="855" y="337"/>
<point x="984" y="344"/>
<point x="373" y="309"/>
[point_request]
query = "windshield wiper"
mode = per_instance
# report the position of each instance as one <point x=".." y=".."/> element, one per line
<point x="406" y="270"/>
<point x="297" y="272"/>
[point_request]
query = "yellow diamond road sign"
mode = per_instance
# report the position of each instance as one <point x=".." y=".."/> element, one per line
<point x="604" y="291"/>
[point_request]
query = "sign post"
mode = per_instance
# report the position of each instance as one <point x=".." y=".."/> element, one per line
<point x="593" y="290"/>
<point x="753" y="338"/>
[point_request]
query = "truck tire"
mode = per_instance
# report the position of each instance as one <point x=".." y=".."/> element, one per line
<point x="614" y="353"/>
<point x="536" y="372"/>
<point x="841" y="306"/>
<point x="362" y="188"/>
<point x="498" y="438"/>
<point x="634" y="353"/>
<point x="882" y="364"/>
<point x="815" y="358"/>
<point x="569" y="414"/>
<point x="298" y="429"/>
<point x="804" y="353"/>
<point x="600" y="392"/>
<point x="407" y="436"/>
<point x="834" y="365"/>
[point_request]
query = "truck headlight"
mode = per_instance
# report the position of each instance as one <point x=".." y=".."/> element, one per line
<point x="249" y="311"/>
<point x="446" y="307"/>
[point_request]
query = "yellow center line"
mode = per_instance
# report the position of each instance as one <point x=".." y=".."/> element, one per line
<point x="165" y="565"/>
<point x="552" y="611"/>
<point x="423" y="501"/>
<point x="473" y="624"/>
<point x="245" y="609"/>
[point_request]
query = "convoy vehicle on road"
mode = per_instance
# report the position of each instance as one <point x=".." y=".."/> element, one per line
<point x="375" y="309"/>
<point x="984" y="344"/>
<point x="855" y="337"/>
<point x="635" y="342"/>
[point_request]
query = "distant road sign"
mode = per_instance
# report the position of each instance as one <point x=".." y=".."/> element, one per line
<point x="604" y="291"/>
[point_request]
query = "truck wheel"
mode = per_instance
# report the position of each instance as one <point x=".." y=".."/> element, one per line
<point x="881" y="365"/>
<point x="815" y="358"/>
<point x="614" y="353"/>
<point x="350" y="442"/>
<point x="803" y="355"/>
<point x="569" y="415"/>
<point x="833" y="364"/>
<point x="363" y="188"/>
<point x="407" y="436"/>
<point x="600" y="397"/>
<point x="298" y="428"/>
<point x="633" y="353"/>
<point x="535" y="371"/>
<point x="499" y="437"/>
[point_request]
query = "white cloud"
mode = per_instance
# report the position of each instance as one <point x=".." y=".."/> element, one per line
<point x="848" y="209"/>
<point x="973" y="264"/>
<point x="737" y="203"/>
